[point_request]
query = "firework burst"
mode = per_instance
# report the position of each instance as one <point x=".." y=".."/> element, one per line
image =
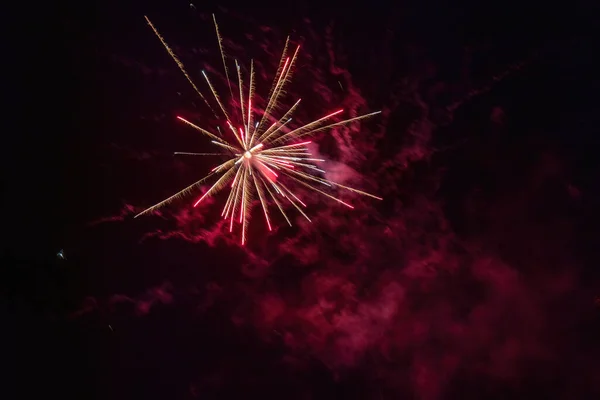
<point x="262" y="159"/>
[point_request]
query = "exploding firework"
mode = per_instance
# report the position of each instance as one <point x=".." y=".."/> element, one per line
<point x="262" y="159"/>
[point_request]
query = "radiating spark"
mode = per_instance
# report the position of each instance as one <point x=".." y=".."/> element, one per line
<point x="216" y="95"/>
<point x="261" y="197"/>
<point x="255" y="153"/>
<point x="250" y="95"/>
<point x="344" y="122"/>
<point x="224" y="145"/>
<point x="175" y="196"/>
<point x="276" y="78"/>
<point x="296" y="133"/>
<point x="179" y="63"/>
<point x="185" y="153"/>
<point x="214" y="188"/>
<point x="220" y="40"/>
<point x="275" y="94"/>
<point x="204" y="131"/>
<point x="286" y="78"/>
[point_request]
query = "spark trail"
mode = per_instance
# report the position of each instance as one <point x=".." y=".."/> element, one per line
<point x="262" y="160"/>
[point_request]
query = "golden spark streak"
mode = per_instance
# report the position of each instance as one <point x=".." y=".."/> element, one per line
<point x="285" y="162"/>
<point x="235" y="200"/>
<point x="218" y="184"/>
<point x="277" y="130"/>
<point x="286" y="117"/>
<point x="250" y="95"/>
<point x="175" y="196"/>
<point x="241" y="86"/>
<point x="231" y="194"/>
<point x="243" y="198"/>
<point x="220" y="40"/>
<point x="215" y="94"/>
<point x="245" y="203"/>
<point x="261" y="197"/>
<point x="276" y="201"/>
<point x="279" y="90"/>
<point x="185" y="153"/>
<point x="179" y="63"/>
<point x="293" y="203"/>
<point x="332" y="183"/>
<point x="204" y="131"/>
<point x="347" y="121"/>
<point x="274" y="95"/>
<point x="275" y="79"/>
<point x="318" y="190"/>
<point x="228" y="147"/>
<point x="296" y="133"/>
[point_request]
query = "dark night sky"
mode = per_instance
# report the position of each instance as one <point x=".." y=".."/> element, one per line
<point x="476" y="277"/>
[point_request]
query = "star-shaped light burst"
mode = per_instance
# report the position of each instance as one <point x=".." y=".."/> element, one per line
<point x="264" y="155"/>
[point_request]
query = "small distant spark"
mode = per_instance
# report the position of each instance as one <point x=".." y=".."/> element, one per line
<point x="260" y="157"/>
<point x="61" y="255"/>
